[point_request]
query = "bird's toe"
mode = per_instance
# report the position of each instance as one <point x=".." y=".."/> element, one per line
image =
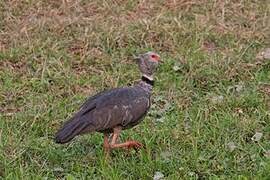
<point x="134" y="144"/>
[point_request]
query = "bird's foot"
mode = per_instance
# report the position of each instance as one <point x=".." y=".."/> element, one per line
<point x="128" y="145"/>
<point x="133" y="144"/>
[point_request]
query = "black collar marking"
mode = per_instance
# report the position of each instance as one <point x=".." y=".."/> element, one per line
<point x="148" y="81"/>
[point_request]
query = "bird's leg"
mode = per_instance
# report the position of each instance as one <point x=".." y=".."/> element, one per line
<point x="106" y="144"/>
<point x="127" y="144"/>
<point x="116" y="132"/>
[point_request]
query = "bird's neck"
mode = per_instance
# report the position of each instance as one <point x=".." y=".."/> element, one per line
<point x="148" y="77"/>
<point x="148" y="80"/>
<point x="146" y="83"/>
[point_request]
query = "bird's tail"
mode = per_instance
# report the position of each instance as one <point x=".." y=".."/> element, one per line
<point x="73" y="127"/>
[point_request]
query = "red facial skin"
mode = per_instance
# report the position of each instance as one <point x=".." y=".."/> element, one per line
<point x="155" y="57"/>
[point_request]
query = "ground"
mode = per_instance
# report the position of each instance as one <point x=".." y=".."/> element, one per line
<point x="210" y="114"/>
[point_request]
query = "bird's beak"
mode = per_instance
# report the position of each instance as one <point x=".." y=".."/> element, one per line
<point x="136" y="58"/>
<point x="160" y="60"/>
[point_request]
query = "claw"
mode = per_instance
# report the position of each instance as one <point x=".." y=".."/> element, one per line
<point x="134" y="144"/>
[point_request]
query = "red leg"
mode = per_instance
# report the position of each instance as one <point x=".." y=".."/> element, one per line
<point x="127" y="144"/>
<point x="116" y="132"/>
<point x="106" y="144"/>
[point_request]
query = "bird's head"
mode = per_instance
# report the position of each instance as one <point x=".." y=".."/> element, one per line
<point x="148" y="63"/>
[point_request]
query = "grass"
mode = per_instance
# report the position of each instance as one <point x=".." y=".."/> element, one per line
<point x="211" y="94"/>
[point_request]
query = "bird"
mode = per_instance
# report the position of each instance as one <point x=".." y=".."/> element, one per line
<point x="111" y="111"/>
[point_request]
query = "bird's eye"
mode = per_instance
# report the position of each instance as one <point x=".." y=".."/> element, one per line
<point x="153" y="56"/>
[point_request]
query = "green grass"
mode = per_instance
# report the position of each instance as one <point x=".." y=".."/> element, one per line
<point x="53" y="55"/>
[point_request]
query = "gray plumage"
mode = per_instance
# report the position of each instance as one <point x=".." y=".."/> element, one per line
<point x="120" y="107"/>
<point x="123" y="107"/>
